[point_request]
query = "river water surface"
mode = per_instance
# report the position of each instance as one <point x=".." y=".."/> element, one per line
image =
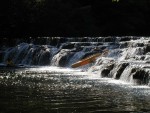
<point x="63" y="90"/>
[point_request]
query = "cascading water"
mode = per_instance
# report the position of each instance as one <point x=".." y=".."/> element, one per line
<point x="43" y="80"/>
<point x="130" y="63"/>
<point x="128" y="58"/>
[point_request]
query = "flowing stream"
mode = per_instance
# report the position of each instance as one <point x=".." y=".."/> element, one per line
<point x="44" y="82"/>
<point x="61" y="90"/>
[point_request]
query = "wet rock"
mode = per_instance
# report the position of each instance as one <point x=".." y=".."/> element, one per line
<point x="61" y="59"/>
<point x="117" y="71"/>
<point x="135" y="44"/>
<point x="133" y="52"/>
<point x="83" y="44"/>
<point x="123" y="44"/>
<point x="78" y="48"/>
<point x="148" y="53"/>
<point x="62" y="40"/>
<point x="135" y="75"/>
<point x="147" y="57"/>
<point x="84" y="40"/>
<point x="38" y="55"/>
<point x="106" y="70"/>
<point x="140" y="44"/>
<point x="68" y="46"/>
<point x="147" y="48"/>
<point x="109" y="39"/>
<point x="140" y="75"/>
<point x="103" y="47"/>
<point x="35" y="56"/>
<point x="138" y="57"/>
<point x="44" y="58"/>
<point x="59" y="41"/>
<point x="99" y="44"/>
<point x="125" y="38"/>
<point x="104" y="65"/>
<point x="114" y="45"/>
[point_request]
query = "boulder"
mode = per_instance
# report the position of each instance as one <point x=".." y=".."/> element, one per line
<point x="106" y="69"/>
<point x="62" y="58"/>
<point x="140" y="75"/>
<point x="105" y="72"/>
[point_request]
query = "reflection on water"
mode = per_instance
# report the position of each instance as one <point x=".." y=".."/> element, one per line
<point x="59" y="90"/>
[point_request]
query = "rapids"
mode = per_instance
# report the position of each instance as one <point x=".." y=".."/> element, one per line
<point x="128" y="59"/>
<point x="44" y="82"/>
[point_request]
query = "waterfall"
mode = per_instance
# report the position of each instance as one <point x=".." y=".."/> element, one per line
<point x="128" y="58"/>
<point x="128" y="61"/>
<point x="135" y="75"/>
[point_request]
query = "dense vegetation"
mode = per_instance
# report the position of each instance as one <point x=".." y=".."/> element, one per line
<point x="23" y="18"/>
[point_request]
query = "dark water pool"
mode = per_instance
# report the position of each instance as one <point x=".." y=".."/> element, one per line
<point x="58" y="90"/>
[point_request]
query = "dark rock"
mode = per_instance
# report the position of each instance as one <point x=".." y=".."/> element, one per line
<point x="147" y="48"/>
<point x="140" y="44"/>
<point x="35" y="56"/>
<point x="40" y="56"/>
<point x="142" y="57"/>
<point x="106" y="70"/>
<point x="99" y="44"/>
<point x="125" y="39"/>
<point x="83" y="44"/>
<point x="68" y="46"/>
<point x="147" y="57"/>
<point x="114" y="45"/>
<point x="62" y="40"/>
<point x="104" y="47"/>
<point x="109" y="39"/>
<point x="141" y="75"/>
<point x="139" y="57"/>
<point x="63" y="61"/>
<point x="62" y="58"/>
<point x="84" y="40"/>
<point x="78" y="48"/>
<point x="119" y="69"/>
<point x="123" y="45"/>
<point x="44" y="58"/>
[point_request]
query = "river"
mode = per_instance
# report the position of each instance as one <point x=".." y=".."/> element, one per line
<point x="64" y="90"/>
